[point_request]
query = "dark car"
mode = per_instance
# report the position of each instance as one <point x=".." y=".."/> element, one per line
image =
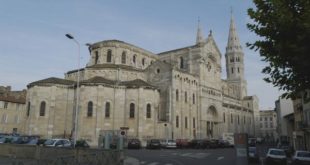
<point x="253" y="155"/>
<point x="183" y="143"/>
<point x="223" y="143"/>
<point x="81" y="144"/>
<point x="134" y="144"/>
<point x="153" y="144"/>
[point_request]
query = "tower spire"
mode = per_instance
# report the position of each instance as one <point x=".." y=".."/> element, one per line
<point x="235" y="59"/>
<point x="200" y="37"/>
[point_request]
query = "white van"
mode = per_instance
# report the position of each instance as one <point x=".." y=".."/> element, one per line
<point x="229" y="137"/>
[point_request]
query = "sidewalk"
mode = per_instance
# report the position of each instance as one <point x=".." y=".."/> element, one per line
<point x="131" y="161"/>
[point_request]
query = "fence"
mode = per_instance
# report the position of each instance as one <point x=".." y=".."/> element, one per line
<point x="37" y="155"/>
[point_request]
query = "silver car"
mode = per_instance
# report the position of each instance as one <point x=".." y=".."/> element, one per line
<point x="57" y="143"/>
<point x="301" y="157"/>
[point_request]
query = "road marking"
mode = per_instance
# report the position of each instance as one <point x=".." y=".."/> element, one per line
<point x="220" y="158"/>
<point x="154" y="163"/>
<point x="186" y="154"/>
<point x="142" y="162"/>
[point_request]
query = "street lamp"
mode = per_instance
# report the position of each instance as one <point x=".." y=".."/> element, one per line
<point x="77" y="89"/>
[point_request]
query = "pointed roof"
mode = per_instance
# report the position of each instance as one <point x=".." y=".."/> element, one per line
<point x="233" y="44"/>
<point x="211" y="40"/>
<point x="200" y="36"/>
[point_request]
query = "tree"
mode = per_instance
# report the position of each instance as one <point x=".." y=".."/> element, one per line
<point x="284" y="30"/>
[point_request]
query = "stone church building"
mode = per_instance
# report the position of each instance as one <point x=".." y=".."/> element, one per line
<point x="174" y="94"/>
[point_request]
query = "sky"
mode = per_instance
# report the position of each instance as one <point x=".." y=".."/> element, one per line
<point x="33" y="45"/>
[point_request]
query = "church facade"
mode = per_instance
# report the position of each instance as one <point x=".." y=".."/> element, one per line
<point x="178" y="94"/>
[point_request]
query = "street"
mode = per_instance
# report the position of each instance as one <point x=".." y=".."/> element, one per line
<point x="182" y="156"/>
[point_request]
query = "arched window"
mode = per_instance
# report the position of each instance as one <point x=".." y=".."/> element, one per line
<point x="194" y="98"/>
<point x="181" y="63"/>
<point x="224" y="117"/>
<point x="185" y="122"/>
<point x="42" y="108"/>
<point x="194" y="123"/>
<point x="90" y="109"/>
<point x="232" y="70"/>
<point x="134" y="59"/>
<point x="107" y="110"/>
<point x="177" y="95"/>
<point x="28" y="108"/>
<point x="185" y="97"/>
<point x="96" y="57"/>
<point x="109" y="56"/>
<point x="143" y="61"/>
<point x="231" y="118"/>
<point x="132" y="110"/>
<point x="238" y="70"/>
<point x="124" y="57"/>
<point x="148" y="111"/>
<point x="177" y="121"/>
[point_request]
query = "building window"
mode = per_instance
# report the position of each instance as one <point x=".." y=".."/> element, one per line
<point x="148" y="111"/>
<point x="271" y="125"/>
<point x="238" y="120"/>
<point x="185" y="97"/>
<point x="109" y="56"/>
<point x="261" y="125"/>
<point x="224" y="117"/>
<point x="181" y="63"/>
<point x="270" y="118"/>
<point x="4" y="118"/>
<point x="16" y="119"/>
<point x="6" y="105"/>
<point x="107" y="110"/>
<point x="96" y="57"/>
<point x="232" y="70"/>
<point x="132" y="110"/>
<point x="194" y="123"/>
<point x="177" y="95"/>
<point x="90" y="109"/>
<point x="124" y="57"/>
<point x="177" y="121"/>
<point x="143" y="61"/>
<point x="28" y="109"/>
<point x="231" y="118"/>
<point x="42" y="108"/>
<point x="266" y="125"/>
<point x="243" y="119"/>
<point x="185" y="122"/>
<point x="194" y="98"/>
<point x="265" y="118"/>
<point x="238" y="70"/>
<point x="134" y="59"/>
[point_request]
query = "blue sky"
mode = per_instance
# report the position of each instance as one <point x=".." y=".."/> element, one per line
<point x="33" y="45"/>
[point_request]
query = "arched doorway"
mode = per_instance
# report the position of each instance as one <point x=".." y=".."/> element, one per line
<point x="212" y="118"/>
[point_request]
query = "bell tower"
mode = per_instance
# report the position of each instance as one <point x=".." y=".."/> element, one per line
<point x="235" y="60"/>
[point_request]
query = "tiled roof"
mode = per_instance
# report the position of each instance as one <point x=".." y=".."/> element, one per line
<point x="21" y="100"/>
<point x="131" y="84"/>
<point x="114" y="66"/>
<point x="51" y="80"/>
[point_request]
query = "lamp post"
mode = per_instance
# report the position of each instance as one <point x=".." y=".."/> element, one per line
<point x="77" y="90"/>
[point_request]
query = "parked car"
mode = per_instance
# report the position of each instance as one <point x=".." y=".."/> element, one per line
<point x="276" y="156"/>
<point x="134" y="144"/>
<point x="252" y="142"/>
<point x="169" y="143"/>
<point x="57" y="143"/>
<point x="153" y="144"/>
<point x="301" y="158"/>
<point x="6" y="139"/>
<point x="253" y="155"/>
<point x="81" y="144"/>
<point x="223" y="143"/>
<point x="182" y="143"/>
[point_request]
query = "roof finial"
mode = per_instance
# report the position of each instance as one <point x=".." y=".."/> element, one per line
<point x="210" y="32"/>
<point x="231" y="10"/>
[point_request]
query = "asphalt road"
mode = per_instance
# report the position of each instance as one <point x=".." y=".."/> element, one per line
<point x="181" y="157"/>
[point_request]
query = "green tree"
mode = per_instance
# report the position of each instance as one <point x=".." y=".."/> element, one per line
<point x="283" y="27"/>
